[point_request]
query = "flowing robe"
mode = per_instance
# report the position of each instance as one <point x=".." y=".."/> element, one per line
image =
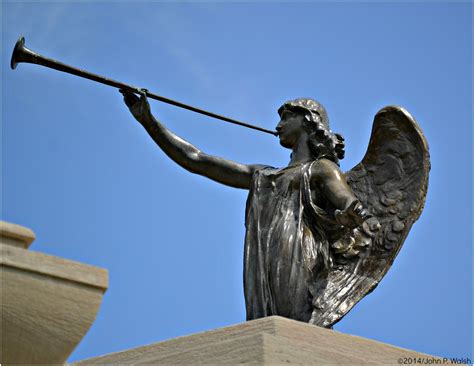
<point x="286" y="258"/>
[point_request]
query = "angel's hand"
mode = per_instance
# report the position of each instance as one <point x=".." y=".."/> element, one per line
<point x="139" y="107"/>
<point x="353" y="216"/>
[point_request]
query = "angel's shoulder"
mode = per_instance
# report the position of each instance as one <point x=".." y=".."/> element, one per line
<point x="324" y="169"/>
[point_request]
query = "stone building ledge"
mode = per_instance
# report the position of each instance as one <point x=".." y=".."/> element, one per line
<point x="267" y="341"/>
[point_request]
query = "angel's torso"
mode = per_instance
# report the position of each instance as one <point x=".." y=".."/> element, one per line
<point x="279" y="245"/>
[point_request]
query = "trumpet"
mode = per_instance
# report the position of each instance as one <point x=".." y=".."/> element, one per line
<point x="23" y="54"/>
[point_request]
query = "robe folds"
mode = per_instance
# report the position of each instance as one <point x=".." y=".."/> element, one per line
<point x="286" y="257"/>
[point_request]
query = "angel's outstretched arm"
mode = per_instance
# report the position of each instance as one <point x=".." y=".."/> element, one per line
<point x="332" y="182"/>
<point x="186" y="155"/>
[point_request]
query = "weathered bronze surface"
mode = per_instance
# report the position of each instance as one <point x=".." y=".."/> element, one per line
<point x="317" y="240"/>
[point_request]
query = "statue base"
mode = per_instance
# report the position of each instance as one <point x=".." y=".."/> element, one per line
<point x="266" y="341"/>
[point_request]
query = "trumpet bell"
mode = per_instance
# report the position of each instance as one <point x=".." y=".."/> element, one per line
<point x="19" y="46"/>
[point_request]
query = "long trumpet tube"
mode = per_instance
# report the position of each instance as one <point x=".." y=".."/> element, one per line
<point x="23" y="54"/>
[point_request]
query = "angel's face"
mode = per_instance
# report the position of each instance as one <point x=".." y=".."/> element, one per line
<point x="290" y="128"/>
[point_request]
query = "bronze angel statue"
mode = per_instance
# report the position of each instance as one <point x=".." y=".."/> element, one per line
<point x="317" y="239"/>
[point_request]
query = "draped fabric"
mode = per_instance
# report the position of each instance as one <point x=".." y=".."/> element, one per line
<point x="286" y="259"/>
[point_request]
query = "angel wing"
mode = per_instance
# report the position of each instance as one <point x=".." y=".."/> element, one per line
<point x="391" y="181"/>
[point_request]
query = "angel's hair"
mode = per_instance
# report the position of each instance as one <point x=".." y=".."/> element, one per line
<point x="323" y="143"/>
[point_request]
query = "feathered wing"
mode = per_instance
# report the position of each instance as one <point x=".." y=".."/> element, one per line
<point x="391" y="182"/>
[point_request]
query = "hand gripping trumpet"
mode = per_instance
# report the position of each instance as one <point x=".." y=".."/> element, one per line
<point x="24" y="54"/>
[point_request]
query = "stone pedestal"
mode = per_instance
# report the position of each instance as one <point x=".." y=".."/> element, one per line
<point x="268" y="341"/>
<point x="48" y="303"/>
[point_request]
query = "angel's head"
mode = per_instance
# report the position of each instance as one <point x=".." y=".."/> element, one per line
<point x="309" y="116"/>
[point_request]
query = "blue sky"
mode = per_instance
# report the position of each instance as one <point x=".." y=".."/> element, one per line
<point x="79" y="171"/>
